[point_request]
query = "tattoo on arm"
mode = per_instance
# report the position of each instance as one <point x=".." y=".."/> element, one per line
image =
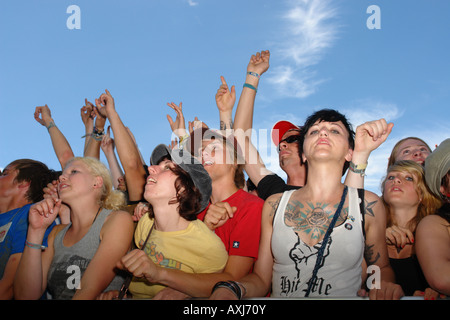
<point x="223" y="125"/>
<point x="369" y="207"/>
<point x="370" y="256"/>
<point x="274" y="205"/>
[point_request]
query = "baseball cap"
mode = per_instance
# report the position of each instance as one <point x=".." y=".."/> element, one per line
<point x="192" y="166"/>
<point x="280" y="128"/>
<point x="437" y="165"/>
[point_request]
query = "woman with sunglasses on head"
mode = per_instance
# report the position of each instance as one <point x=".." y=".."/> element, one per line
<point x="80" y="260"/>
<point x="408" y="200"/>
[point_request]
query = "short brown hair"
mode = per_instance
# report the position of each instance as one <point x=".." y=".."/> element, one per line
<point x="35" y="172"/>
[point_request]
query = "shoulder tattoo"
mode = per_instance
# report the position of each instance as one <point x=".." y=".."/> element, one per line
<point x="369" y="206"/>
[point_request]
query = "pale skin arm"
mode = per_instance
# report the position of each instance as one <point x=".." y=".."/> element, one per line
<point x="87" y="116"/>
<point x="107" y="147"/>
<point x="225" y="99"/>
<point x="60" y="144"/>
<point x="433" y="252"/>
<point x="31" y="276"/>
<point x="375" y="252"/>
<point x="93" y="146"/>
<point x="198" y="284"/>
<point x="7" y="282"/>
<point x="127" y="150"/>
<point x="116" y="236"/>
<point x="259" y="63"/>
<point x="258" y="283"/>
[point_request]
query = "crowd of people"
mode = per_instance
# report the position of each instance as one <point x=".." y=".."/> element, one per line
<point x="206" y="219"/>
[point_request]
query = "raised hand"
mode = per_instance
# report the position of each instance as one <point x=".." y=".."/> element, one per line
<point x="105" y="103"/>
<point x="259" y="62"/>
<point x="43" y="115"/>
<point x="371" y="135"/>
<point x="178" y="126"/>
<point x="225" y="98"/>
<point x="87" y="112"/>
<point x="43" y="213"/>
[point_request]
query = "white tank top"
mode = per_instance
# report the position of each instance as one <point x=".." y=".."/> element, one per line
<point x="294" y="261"/>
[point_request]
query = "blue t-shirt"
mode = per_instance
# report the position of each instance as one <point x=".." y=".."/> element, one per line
<point x="13" y="233"/>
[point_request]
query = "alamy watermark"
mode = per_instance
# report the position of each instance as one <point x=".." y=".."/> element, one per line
<point x="74" y="20"/>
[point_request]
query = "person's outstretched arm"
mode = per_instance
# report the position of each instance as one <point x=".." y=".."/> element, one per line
<point x="127" y="150"/>
<point x="60" y="144"/>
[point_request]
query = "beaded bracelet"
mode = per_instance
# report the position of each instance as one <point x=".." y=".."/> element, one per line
<point x="254" y="74"/>
<point x="34" y="245"/>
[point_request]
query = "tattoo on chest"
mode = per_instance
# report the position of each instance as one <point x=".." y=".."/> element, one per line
<point x="312" y="219"/>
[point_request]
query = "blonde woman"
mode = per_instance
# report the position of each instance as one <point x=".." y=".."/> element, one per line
<point x="79" y="262"/>
<point x="408" y="200"/>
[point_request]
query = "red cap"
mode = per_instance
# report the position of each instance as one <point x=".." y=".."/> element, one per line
<point x="280" y="128"/>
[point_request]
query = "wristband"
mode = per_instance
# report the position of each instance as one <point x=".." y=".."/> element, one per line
<point x="97" y="134"/>
<point x="248" y="85"/>
<point x="358" y="168"/>
<point x="254" y="74"/>
<point x="51" y="125"/>
<point x="230" y="285"/>
<point x="183" y="139"/>
<point x="34" y="245"/>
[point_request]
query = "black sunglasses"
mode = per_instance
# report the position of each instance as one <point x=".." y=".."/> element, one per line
<point x="289" y="139"/>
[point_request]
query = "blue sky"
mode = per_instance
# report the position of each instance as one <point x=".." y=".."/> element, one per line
<point x="148" y="53"/>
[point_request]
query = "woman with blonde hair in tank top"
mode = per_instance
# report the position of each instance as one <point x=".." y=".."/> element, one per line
<point x="80" y="260"/>
<point x="407" y="200"/>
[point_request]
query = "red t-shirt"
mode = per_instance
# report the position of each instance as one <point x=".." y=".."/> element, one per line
<point x="241" y="233"/>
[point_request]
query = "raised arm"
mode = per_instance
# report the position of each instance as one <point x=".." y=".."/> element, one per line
<point x="375" y="252"/>
<point x="60" y="144"/>
<point x="93" y="144"/>
<point x="368" y="137"/>
<point x="225" y="99"/>
<point x="178" y="126"/>
<point x="127" y="150"/>
<point x="108" y="148"/>
<point x="259" y="63"/>
<point x="87" y="116"/>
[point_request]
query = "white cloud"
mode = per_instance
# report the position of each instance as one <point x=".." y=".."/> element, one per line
<point x="309" y="31"/>
<point x="192" y="3"/>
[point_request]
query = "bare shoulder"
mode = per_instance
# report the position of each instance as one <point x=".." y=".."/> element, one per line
<point x="432" y="222"/>
<point x="119" y="219"/>
<point x="272" y="202"/>
<point x="372" y="204"/>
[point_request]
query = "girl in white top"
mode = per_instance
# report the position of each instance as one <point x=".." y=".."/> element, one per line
<point x="327" y="146"/>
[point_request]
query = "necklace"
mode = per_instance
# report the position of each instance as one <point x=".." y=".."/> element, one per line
<point x="96" y="215"/>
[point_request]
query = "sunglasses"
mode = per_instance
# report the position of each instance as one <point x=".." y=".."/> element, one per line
<point x="289" y="139"/>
